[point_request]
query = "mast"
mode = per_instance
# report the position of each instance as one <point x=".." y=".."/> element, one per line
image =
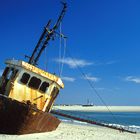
<point x="45" y="37"/>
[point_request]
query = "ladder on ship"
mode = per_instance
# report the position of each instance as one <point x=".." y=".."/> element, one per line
<point x="89" y="120"/>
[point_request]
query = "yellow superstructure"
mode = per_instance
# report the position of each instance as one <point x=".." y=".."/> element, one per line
<point x="27" y="83"/>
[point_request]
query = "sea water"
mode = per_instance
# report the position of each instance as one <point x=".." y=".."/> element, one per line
<point x="131" y="119"/>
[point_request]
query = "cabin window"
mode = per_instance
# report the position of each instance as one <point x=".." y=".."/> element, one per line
<point x="34" y="82"/>
<point x="5" y="71"/>
<point x="25" y="78"/>
<point x="14" y="73"/>
<point x="44" y="87"/>
<point x="10" y="73"/>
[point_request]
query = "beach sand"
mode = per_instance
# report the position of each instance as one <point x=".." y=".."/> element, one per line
<point x="67" y="131"/>
<point x="99" y="108"/>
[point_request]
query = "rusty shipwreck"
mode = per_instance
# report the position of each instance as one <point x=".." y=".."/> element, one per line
<point x="27" y="93"/>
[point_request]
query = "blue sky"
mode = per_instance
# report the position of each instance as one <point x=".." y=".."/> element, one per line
<point x="103" y="40"/>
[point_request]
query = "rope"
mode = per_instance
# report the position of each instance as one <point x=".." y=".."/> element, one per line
<point x="91" y="120"/>
<point x="65" y="44"/>
<point x="93" y="88"/>
<point x="61" y="64"/>
<point x="60" y="45"/>
<point x="45" y="61"/>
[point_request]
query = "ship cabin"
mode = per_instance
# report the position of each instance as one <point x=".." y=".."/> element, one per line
<point x="26" y="83"/>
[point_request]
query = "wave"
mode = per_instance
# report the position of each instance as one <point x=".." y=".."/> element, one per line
<point x="73" y="121"/>
<point x="134" y="128"/>
<point x="128" y="127"/>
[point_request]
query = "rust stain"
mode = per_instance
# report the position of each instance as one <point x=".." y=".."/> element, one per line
<point x="22" y="93"/>
<point x="20" y="118"/>
<point x="29" y="107"/>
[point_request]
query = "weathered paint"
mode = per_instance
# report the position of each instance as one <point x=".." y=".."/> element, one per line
<point x="36" y="70"/>
<point x="23" y="93"/>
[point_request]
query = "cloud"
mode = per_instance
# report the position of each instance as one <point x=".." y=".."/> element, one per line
<point x="69" y="79"/>
<point x="132" y="79"/>
<point x="111" y="62"/>
<point x="73" y="63"/>
<point x="91" y="78"/>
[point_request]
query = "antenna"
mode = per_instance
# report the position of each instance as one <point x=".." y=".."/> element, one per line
<point x="45" y="37"/>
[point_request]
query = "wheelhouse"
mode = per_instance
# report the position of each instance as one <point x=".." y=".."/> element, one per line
<point x="29" y="84"/>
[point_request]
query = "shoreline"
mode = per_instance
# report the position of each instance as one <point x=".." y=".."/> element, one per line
<point x="78" y="131"/>
<point x="98" y="108"/>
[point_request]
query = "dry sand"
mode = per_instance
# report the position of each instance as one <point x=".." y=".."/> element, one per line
<point x="100" y="108"/>
<point x="76" y="132"/>
<point x="67" y="131"/>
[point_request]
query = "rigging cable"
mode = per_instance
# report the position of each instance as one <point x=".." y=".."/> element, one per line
<point x="60" y="45"/>
<point x="63" y="57"/>
<point x="92" y="87"/>
<point x="45" y="61"/>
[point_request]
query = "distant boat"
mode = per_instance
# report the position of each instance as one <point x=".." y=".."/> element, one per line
<point x="27" y="93"/>
<point x="88" y="103"/>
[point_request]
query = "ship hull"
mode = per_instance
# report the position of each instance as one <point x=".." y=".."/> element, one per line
<point x="21" y="118"/>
